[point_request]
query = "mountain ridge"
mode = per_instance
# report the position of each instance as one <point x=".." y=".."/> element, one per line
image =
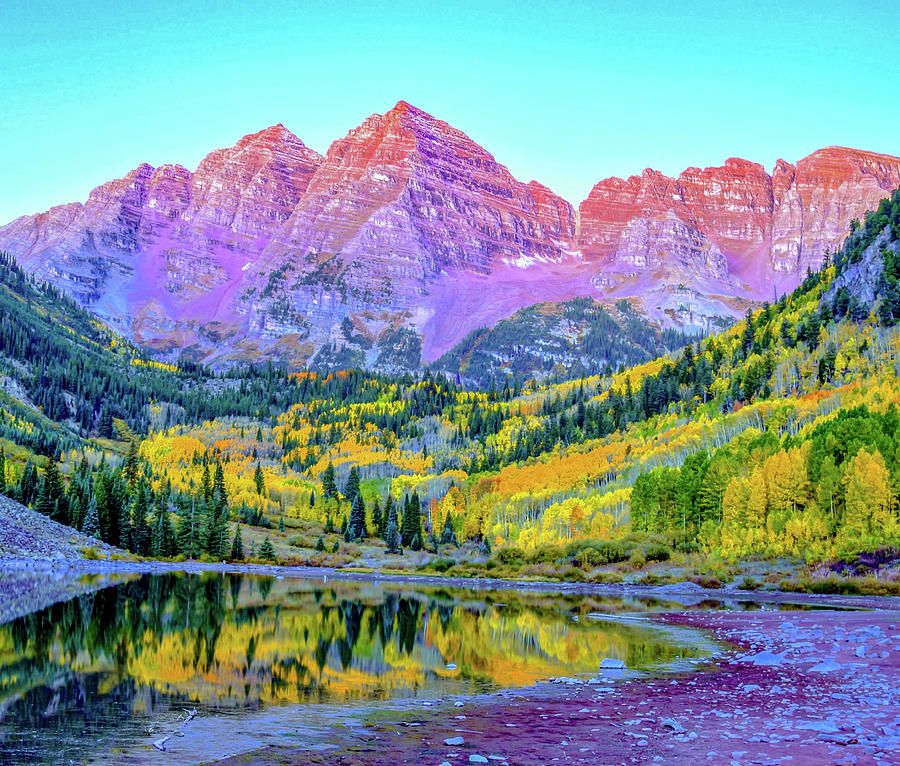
<point x="406" y="222"/>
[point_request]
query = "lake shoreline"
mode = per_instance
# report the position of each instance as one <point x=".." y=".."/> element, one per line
<point x="817" y="685"/>
<point x="110" y="571"/>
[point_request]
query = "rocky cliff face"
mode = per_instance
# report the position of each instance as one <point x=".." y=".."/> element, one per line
<point x="769" y="228"/>
<point x="157" y="253"/>
<point x="402" y="200"/>
<point x="409" y="228"/>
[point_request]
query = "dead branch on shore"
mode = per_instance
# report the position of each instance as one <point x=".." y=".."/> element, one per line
<point x="160" y="744"/>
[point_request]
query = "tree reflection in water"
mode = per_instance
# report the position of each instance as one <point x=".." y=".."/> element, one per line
<point x="230" y="642"/>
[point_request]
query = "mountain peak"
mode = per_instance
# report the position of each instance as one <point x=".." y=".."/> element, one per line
<point x="272" y="135"/>
<point x="405" y="108"/>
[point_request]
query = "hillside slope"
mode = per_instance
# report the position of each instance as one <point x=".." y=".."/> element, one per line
<point x="776" y="437"/>
<point x="25" y="533"/>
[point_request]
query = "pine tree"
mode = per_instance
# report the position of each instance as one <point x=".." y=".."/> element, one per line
<point x="42" y="502"/>
<point x="2" y="472"/>
<point x="140" y="540"/>
<point x="206" y="484"/>
<point x="220" y="495"/>
<point x="163" y="539"/>
<point x="237" y="545"/>
<point x="267" y="550"/>
<point x="188" y="532"/>
<point x="281" y="523"/>
<point x="329" y="488"/>
<point x="91" y="524"/>
<point x="351" y="489"/>
<point x="448" y="534"/>
<point x="320" y="545"/>
<point x="260" y="480"/>
<point x="55" y="500"/>
<point x="390" y="515"/>
<point x="412" y="519"/>
<point x="216" y="532"/>
<point x="131" y="469"/>
<point x="28" y="484"/>
<point x="392" y="536"/>
<point x="356" y="529"/>
<point x="377" y="519"/>
<point x="105" y="427"/>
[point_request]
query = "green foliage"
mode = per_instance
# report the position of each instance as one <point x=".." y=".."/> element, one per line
<point x="657" y="552"/>
<point x="237" y="545"/>
<point x="510" y="557"/>
<point x="267" y="550"/>
<point x="411" y="526"/>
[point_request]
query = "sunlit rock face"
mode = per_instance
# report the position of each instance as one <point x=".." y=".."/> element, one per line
<point x="770" y="228"/>
<point x="269" y="249"/>
<point x="397" y="205"/>
<point x="816" y="201"/>
<point x="156" y="253"/>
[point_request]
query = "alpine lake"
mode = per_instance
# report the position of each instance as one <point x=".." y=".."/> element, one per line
<point x="101" y="677"/>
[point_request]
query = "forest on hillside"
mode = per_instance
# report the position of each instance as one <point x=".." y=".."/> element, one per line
<point x="778" y="436"/>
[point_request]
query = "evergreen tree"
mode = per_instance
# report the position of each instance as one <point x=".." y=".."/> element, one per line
<point x="267" y="550"/>
<point x="216" y="532"/>
<point x="162" y="534"/>
<point x="140" y="541"/>
<point x="390" y="515"/>
<point x="412" y="519"/>
<point x="42" y="502"/>
<point x="329" y="488"/>
<point x="189" y="531"/>
<point x="356" y="529"/>
<point x="206" y="485"/>
<point x="51" y="499"/>
<point x="91" y="524"/>
<point x="260" y="480"/>
<point x="2" y="472"/>
<point x="79" y="493"/>
<point x="220" y="495"/>
<point x="131" y="469"/>
<point x="392" y="536"/>
<point x="448" y="533"/>
<point x="105" y="426"/>
<point x="237" y="545"/>
<point x="351" y="489"/>
<point x="377" y="519"/>
<point x="320" y="545"/>
<point x="28" y="484"/>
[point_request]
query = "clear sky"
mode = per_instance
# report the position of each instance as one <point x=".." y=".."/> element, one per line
<point x="564" y="92"/>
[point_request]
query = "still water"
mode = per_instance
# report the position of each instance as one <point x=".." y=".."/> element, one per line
<point x="93" y="673"/>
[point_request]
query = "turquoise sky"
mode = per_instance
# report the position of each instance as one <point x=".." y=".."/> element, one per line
<point x="567" y="93"/>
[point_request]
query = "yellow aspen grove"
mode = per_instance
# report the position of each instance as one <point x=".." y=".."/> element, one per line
<point x="868" y="497"/>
